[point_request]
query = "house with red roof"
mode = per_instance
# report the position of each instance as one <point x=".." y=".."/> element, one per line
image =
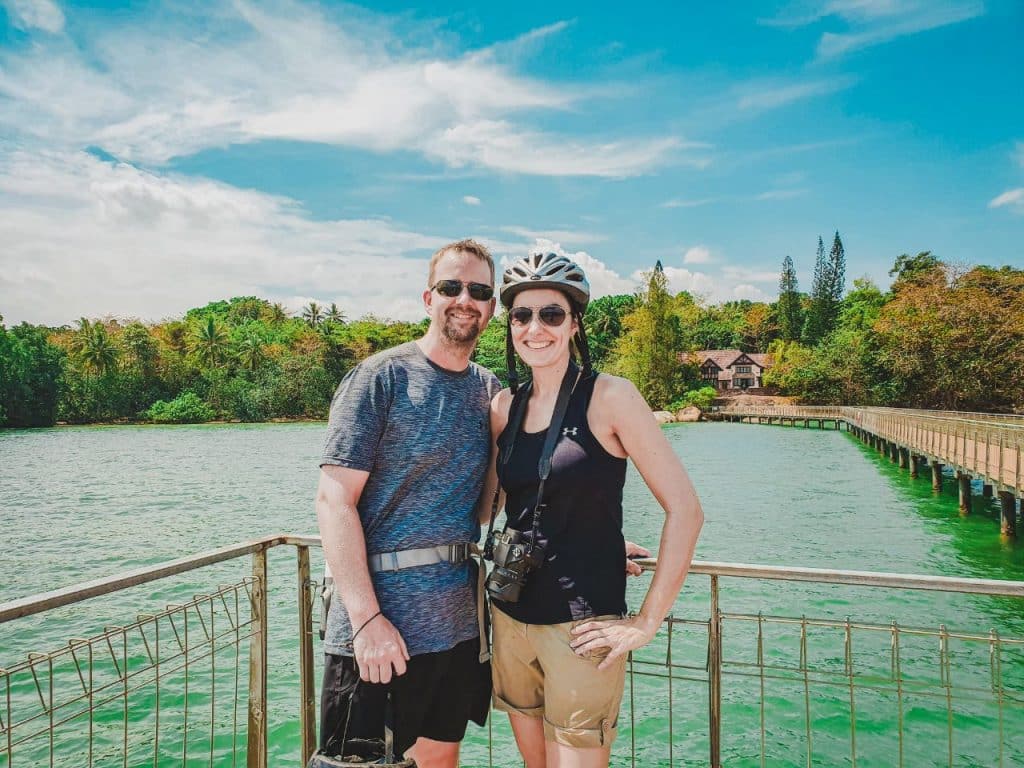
<point x="732" y="369"/>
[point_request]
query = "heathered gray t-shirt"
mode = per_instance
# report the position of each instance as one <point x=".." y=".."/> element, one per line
<point x="423" y="434"/>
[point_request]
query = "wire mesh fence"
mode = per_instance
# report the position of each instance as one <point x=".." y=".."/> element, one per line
<point x="187" y="686"/>
<point x="169" y="688"/>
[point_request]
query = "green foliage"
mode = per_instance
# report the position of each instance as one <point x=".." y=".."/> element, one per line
<point x="789" y="311"/>
<point x="186" y="408"/>
<point x="31" y="377"/>
<point x="490" y="351"/>
<point x="826" y="292"/>
<point x="208" y="342"/>
<point x="914" y="269"/>
<point x="937" y="339"/>
<point x="702" y="398"/>
<point x="651" y="348"/>
<point x="603" y="323"/>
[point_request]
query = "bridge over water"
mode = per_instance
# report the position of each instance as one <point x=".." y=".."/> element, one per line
<point x="985" y="446"/>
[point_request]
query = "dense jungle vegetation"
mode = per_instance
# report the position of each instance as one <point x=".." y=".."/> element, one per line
<point x="941" y="337"/>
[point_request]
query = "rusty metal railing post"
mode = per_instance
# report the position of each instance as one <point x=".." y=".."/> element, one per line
<point x="715" y="678"/>
<point x="307" y="705"/>
<point x="256" y="745"/>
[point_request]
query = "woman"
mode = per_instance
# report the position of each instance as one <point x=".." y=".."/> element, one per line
<point x="561" y="636"/>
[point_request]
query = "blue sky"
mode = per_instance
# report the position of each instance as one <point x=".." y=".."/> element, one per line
<point x="156" y="156"/>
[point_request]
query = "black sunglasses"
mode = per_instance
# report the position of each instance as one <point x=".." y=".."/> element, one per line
<point x="551" y="315"/>
<point x="452" y="288"/>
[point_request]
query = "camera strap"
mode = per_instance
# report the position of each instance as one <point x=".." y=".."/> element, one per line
<point x="516" y="413"/>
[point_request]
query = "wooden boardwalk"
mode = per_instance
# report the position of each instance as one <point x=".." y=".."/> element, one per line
<point x="984" y="446"/>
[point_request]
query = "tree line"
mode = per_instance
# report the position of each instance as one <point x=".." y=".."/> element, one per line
<point x="942" y="336"/>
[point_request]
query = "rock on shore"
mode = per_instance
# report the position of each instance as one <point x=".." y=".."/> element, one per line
<point x="689" y="413"/>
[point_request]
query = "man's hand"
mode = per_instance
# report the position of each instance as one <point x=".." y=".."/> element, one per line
<point x="634" y="550"/>
<point x="619" y="636"/>
<point x="380" y="651"/>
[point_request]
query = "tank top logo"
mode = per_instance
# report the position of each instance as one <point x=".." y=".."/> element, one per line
<point x="567" y="431"/>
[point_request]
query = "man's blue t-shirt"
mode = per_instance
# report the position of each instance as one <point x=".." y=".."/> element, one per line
<point x="423" y="434"/>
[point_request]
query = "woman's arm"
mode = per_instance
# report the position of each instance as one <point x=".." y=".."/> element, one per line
<point x="634" y="426"/>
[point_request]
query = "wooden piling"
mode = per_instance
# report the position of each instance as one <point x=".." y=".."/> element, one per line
<point x="964" y="482"/>
<point x="904" y="457"/>
<point x="936" y="476"/>
<point x="1008" y="514"/>
<point x="915" y="465"/>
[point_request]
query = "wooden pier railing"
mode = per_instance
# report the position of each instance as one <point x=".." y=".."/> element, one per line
<point x="984" y="446"/>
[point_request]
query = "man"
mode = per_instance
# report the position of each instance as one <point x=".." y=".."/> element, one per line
<point x="401" y="474"/>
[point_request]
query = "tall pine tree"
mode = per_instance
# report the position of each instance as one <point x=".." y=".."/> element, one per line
<point x="837" y="274"/>
<point x="790" y="313"/>
<point x="826" y="292"/>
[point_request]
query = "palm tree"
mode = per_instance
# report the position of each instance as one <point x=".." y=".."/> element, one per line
<point x="208" y="342"/>
<point x="278" y="313"/>
<point x="251" y="352"/>
<point x="313" y="314"/>
<point x="334" y="315"/>
<point x="96" y="350"/>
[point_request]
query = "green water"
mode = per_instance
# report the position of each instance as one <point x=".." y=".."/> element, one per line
<point x="81" y="503"/>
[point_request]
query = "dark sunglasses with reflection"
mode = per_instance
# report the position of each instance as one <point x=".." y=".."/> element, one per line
<point x="452" y="288"/>
<point x="552" y="315"/>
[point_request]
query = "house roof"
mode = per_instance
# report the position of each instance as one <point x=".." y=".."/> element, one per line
<point x="723" y="358"/>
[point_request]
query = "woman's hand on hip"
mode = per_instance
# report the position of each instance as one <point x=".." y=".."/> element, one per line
<point x="619" y="636"/>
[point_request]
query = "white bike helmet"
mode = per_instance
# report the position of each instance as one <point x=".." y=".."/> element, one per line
<point x="546" y="270"/>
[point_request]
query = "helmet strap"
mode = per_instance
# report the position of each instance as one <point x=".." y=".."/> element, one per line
<point x="583" y="346"/>
<point x="510" y="360"/>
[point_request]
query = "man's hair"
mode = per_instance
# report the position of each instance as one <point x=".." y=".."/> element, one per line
<point x="469" y="246"/>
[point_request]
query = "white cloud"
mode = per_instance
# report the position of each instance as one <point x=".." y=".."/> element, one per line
<point x="676" y="203"/>
<point x="556" y="235"/>
<point x="772" y="95"/>
<point x="781" y="194"/>
<point x="873" y="23"/>
<point x="750" y="292"/>
<point x="35" y="14"/>
<point x="1012" y="199"/>
<point x="501" y="146"/>
<point x="680" y="279"/>
<point x="699" y="254"/>
<point x="746" y="275"/>
<point x="147" y="91"/>
<point x="471" y="200"/>
<point x="86" y="237"/>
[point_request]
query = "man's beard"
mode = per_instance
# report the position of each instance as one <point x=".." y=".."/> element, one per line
<point x="460" y="336"/>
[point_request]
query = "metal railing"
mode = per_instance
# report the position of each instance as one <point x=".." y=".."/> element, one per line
<point x="755" y="687"/>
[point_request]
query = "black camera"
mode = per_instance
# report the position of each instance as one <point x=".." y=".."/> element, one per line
<point x="515" y="555"/>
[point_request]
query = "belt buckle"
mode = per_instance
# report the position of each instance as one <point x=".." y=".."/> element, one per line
<point x="457" y="553"/>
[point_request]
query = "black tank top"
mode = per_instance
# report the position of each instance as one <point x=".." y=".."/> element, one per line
<point x="581" y="527"/>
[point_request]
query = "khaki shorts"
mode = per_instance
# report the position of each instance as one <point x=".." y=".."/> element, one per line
<point x="537" y="674"/>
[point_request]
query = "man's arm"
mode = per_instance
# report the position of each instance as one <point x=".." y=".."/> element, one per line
<point x="379" y="649"/>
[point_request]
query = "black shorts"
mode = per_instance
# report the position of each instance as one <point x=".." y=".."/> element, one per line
<point x="436" y="697"/>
